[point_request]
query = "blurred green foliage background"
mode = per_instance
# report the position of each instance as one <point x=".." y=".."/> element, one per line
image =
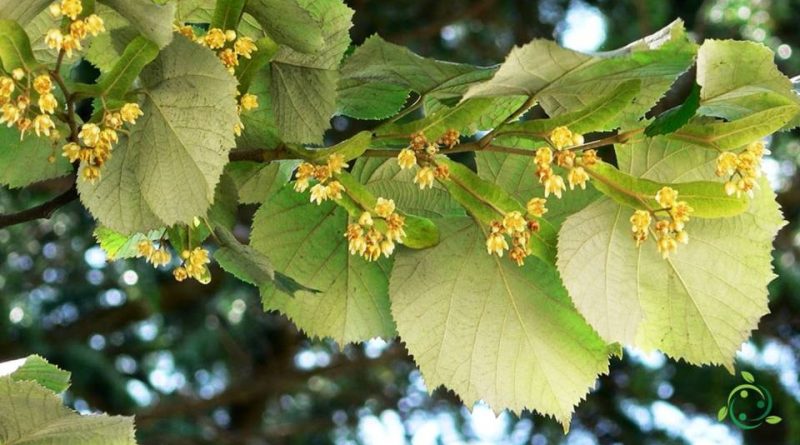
<point x="205" y="365"/>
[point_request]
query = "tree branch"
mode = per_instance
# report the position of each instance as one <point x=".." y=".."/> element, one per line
<point x="42" y="211"/>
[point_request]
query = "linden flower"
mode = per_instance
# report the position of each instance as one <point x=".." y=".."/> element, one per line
<point x="23" y="101"/>
<point x="336" y="163"/>
<point x="144" y="248"/>
<point x="387" y="247"/>
<point x="424" y="178"/>
<point x="42" y="84"/>
<point x="680" y="214"/>
<point x="565" y="159"/>
<point x="395" y="227"/>
<point x="214" y="39"/>
<point x="319" y="193"/>
<point x="335" y="189"/>
<point x="18" y="74"/>
<point x="77" y="29"/>
<point x="757" y="149"/>
<point x="577" y="176"/>
<point x="71" y="8"/>
<point x="589" y="158"/>
<point x="365" y="219"/>
<point x="94" y="25"/>
<point x="514" y="222"/>
<point x="185" y="30"/>
<point x="54" y="39"/>
<point x="667" y="245"/>
<point x="245" y="47"/>
<point x="322" y="172"/>
<point x="23" y="125"/>
<point x="71" y="151"/>
<point x="70" y="44"/>
<point x="518" y="254"/>
<point x="442" y="172"/>
<point x="180" y="273"/>
<point x="48" y="103"/>
<point x="160" y="257"/>
<point x="130" y="112"/>
<point x="640" y="220"/>
<point x="544" y="156"/>
<point x="666" y="197"/>
<point x="496" y="244"/>
<point x="113" y="121"/>
<point x="229" y="59"/>
<point x="6" y="86"/>
<point x="553" y="184"/>
<point x="249" y="102"/>
<point x="406" y="158"/>
<point x="90" y="173"/>
<point x="198" y="256"/>
<point x="536" y="207"/>
<point x="384" y="207"/>
<point x="726" y="164"/>
<point x="11" y="114"/>
<point x="450" y="138"/>
<point x="55" y="10"/>
<point x="42" y="124"/>
<point x="561" y="137"/>
<point x="682" y="237"/>
<point x="418" y="141"/>
<point x="90" y="134"/>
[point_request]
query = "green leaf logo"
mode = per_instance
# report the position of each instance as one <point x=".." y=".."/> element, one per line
<point x="743" y="399"/>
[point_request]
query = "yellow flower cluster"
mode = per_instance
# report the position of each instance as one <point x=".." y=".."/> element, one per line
<point x="519" y="229"/>
<point x="421" y="152"/>
<point x="194" y="263"/>
<point x="326" y="188"/>
<point x="560" y="138"/>
<point x="75" y="30"/>
<point x="366" y="240"/>
<point x="228" y="45"/>
<point x="669" y="231"/>
<point x="17" y="109"/>
<point x="97" y="141"/>
<point x="741" y="170"/>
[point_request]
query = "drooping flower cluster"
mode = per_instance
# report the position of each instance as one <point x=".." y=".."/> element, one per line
<point x="421" y="153"/>
<point x="669" y="231"/>
<point x="561" y="138"/>
<point x="97" y="141"/>
<point x="741" y="170"/>
<point x="326" y="187"/>
<point x="370" y="240"/>
<point x="194" y="263"/>
<point x="518" y="229"/>
<point x="17" y="96"/>
<point x="227" y="43"/>
<point x="70" y="36"/>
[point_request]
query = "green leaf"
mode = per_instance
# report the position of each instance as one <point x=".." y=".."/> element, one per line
<point x="721" y="135"/>
<point x="227" y="14"/>
<point x="106" y="48"/>
<point x="251" y="266"/>
<point x="36" y="369"/>
<point x="739" y="79"/>
<point x="378" y="77"/>
<point x="33" y="153"/>
<point x="563" y="80"/>
<point x="178" y="148"/>
<point x="595" y="116"/>
<point x="465" y="186"/>
<point x="748" y="377"/>
<point x="517" y="176"/>
<point x="152" y="20"/>
<point x="772" y="420"/>
<point x="544" y="356"/>
<point x="116" y="83"/>
<point x="303" y="86"/>
<point x="22" y="11"/>
<point x="383" y="177"/>
<point x="294" y="23"/>
<point x="32" y="414"/>
<point x="421" y="233"/>
<point x="707" y="198"/>
<point x="723" y="413"/>
<point x="118" y="246"/>
<point x="257" y="181"/>
<point x="675" y="118"/>
<point x="715" y="285"/>
<point x="15" y="47"/>
<point x="354" y="301"/>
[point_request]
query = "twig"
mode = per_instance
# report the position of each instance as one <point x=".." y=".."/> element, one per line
<point x="41" y="211"/>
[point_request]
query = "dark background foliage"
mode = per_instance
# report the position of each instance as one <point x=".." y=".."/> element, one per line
<point x="205" y="365"/>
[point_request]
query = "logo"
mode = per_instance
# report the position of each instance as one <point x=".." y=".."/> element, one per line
<point x="749" y="405"/>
